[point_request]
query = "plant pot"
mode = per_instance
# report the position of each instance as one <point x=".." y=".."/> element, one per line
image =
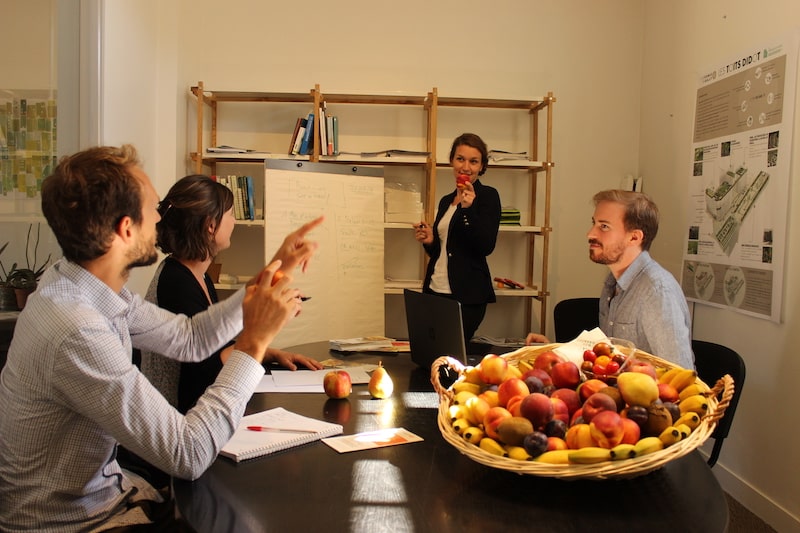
<point x="21" y="297"/>
<point x="8" y="300"/>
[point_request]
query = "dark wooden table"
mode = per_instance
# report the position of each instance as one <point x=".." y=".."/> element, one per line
<point x="428" y="486"/>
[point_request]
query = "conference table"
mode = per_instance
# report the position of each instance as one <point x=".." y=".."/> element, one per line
<point x="428" y="485"/>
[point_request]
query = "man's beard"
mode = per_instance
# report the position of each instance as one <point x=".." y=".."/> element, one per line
<point x="605" y="257"/>
<point x="144" y="257"/>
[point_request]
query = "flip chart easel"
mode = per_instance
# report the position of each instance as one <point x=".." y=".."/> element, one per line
<point x="345" y="276"/>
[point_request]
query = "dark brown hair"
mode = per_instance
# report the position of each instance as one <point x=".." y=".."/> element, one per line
<point x="640" y="212"/>
<point x="190" y="206"/>
<point x="87" y="195"/>
<point x="472" y="140"/>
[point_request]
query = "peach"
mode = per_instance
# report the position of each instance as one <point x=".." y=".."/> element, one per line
<point x="510" y="388"/>
<point x="560" y="410"/>
<point x="541" y="374"/>
<point x="491" y="397"/>
<point x="546" y="360"/>
<point x="556" y="443"/>
<point x="579" y="436"/>
<point x="537" y="408"/>
<point x="607" y="429"/>
<point x="668" y="393"/>
<point x="492" y="419"/>
<point x="565" y="374"/>
<point x="569" y="397"/>
<point x="513" y="405"/>
<point x="493" y="369"/>
<point x="637" y="365"/>
<point x="597" y="403"/>
<point x="631" y="431"/>
<point x="589" y="387"/>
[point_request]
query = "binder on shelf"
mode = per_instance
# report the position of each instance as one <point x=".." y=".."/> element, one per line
<point x="251" y="204"/>
<point x="306" y="146"/>
<point x="297" y="126"/>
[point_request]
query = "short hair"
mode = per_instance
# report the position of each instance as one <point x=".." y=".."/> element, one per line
<point x="191" y="204"/>
<point x="87" y="195"/>
<point x="640" y="212"/>
<point x="472" y="140"/>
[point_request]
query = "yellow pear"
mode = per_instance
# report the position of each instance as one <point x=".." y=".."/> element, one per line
<point x="380" y="384"/>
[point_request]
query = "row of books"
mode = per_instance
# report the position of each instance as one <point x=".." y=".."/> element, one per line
<point x="243" y="196"/>
<point x="304" y="137"/>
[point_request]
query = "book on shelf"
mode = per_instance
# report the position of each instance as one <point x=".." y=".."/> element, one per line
<point x="335" y="129"/>
<point x="330" y="134"/>
<point x="225" y="149"/>
<point x="510" y="216"/>
<point x="307" y="146"/>
<point x="251" y="202"/>
<point x="502" y="155"/>
<point x="279" y="430"/>
<point x="323" y="130"/>
<point x="297" y="125"/>
<point x="298" y="138"/>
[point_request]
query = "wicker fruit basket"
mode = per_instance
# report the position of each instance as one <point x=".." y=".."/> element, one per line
<point x="625" y="468"/>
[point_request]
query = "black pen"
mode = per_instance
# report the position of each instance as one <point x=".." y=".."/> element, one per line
<point x="305" y="298"/>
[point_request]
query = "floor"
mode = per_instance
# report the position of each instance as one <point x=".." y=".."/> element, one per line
<point x="744" y="521"/>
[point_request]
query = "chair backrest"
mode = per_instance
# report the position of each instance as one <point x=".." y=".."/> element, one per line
<point x="572" y="316"/>
<point x="712" y="362"/>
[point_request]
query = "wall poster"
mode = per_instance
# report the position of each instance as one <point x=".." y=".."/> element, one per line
<point x="738" y="190"/>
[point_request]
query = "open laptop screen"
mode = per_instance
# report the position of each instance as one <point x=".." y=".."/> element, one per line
<point x="434" y="328"/>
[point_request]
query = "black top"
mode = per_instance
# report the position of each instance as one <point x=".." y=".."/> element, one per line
<point x="470" y="239"/>
<point x="179" y="292"/>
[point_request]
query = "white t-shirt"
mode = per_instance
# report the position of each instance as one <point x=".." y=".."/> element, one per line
<point x="439" y="281"/>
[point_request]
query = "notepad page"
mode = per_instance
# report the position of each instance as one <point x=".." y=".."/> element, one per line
<point x="246" y="444"/>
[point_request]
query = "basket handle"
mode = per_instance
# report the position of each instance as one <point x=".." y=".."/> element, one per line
<point x="725" y="386"/>
<point x="450" y="364"/>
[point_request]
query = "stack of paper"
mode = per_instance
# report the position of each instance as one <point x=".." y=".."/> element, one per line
<point x="366" y="344"/>
<point x="402" y="205"/>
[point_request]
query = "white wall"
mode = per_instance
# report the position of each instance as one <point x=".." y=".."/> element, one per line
<point x="623" y="72"/>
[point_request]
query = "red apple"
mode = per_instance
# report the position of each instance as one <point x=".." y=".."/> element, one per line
<point x="596" y="403"/>
<point x="546" y="360"/>
<point x="537" y="408"/>
<point x="589" y="387"/>
<point x="560" y="410"/>
<point x="337" y="384"/>
<point x="637" y="365"/>
<point x="607" y="429"/>
<point x="492" y="419"/>
<point x="668" y="393"/>
<point x="631" y="432"/>
<point x="569" y="397"/>
<point x="510" y="388"/>
<point x="565" y="374"/>
<point x="493" y="369"/>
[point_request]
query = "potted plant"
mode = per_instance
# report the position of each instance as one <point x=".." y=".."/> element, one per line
<point x="23" y="281"/>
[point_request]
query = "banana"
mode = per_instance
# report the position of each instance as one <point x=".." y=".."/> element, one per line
<point x="684" y="429"/>
<point x="667" y="376"/>
<point x="513" y="372"/>
<point x="461" y="397"/>
<point x="460" y="425"/>
<point x="670" y="436"/>
<point x="459" y="386"/>
<point x="690" y="419"/>
<point x="695" y="388"/>
<point x="524" y="366"/>
<point x="490" y="445"/>
<point x="696" y="404"/>
<point x="683" y="379"/>
<point x="590" y="455"/>
<point x="473" y="435"/>
<point x="457" y="411"/>
<point x="518" y="453"/>
<point x="647" y="445"/>
<point x="554" y="457"/>
<point x="623" y="451"/>
<point x="473" y="375"/>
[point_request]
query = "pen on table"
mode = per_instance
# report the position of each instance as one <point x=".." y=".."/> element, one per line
<point x="279" y="430"/>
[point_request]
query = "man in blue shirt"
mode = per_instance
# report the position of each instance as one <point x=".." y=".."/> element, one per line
<point x="641" y="301"/>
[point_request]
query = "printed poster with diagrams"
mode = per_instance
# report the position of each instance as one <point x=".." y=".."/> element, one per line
<point x="738" y="190"/>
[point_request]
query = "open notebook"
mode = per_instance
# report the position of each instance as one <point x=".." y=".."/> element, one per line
<point x="247" y="444"/>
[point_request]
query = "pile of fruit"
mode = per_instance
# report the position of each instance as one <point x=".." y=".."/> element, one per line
<point x="546" y="409"/>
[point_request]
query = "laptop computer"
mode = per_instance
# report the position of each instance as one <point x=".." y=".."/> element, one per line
<point x="434" y="328"/>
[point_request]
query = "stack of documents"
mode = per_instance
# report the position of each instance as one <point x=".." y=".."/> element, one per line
<point x="369" y="344"/>
<point x="402" y="205"/>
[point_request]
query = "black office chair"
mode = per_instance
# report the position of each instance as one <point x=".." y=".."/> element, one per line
<point x="712" y="362"/>
<point x="572" y="316"/>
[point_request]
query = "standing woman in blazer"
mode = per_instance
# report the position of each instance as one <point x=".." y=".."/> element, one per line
<point x="463" y="235"/>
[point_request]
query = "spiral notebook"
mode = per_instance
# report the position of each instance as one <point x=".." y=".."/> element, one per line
<point x="277" y="433"/>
